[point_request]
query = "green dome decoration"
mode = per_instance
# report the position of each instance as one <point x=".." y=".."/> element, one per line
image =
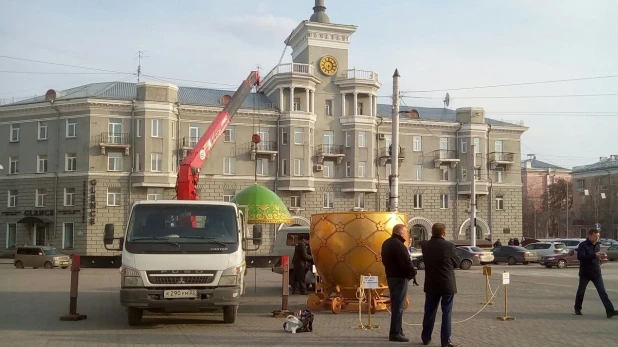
<point x="263" y="205"/>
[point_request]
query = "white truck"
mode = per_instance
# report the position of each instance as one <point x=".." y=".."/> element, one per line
<point x="183" y="256"/>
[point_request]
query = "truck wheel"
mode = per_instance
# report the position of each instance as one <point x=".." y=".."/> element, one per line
<point x="134" y="316"/>
<point x="19" y="264"/>
<point x="229" y="314"/>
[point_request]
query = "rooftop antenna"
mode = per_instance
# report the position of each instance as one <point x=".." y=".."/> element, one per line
<point x="140" y="56"/>
<point x="447" y="100"/>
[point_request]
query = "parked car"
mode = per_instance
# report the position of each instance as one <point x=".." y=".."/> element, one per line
<point x="467" y="260"/>
<point x="40" y="256"/>
<point x="612" y="252"/>
<point x="414" y="252"/>
<point x="565" y="259"/>
<point x="484" y="256"/>
<point x="513" y="255"/>
<point x="572" y="243"/>
<point x="546" y="248"/>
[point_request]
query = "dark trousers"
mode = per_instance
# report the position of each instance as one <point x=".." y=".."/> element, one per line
<point x="598" y="283"/>
<point x="299" y="278"/>
<point x="429" y="318"/>
<point x="398" y="290"/>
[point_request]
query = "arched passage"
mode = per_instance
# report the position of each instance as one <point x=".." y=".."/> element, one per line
<point x="298" y="221"/>
<point x="482" y="228"/>
<point x="419" y="230"/>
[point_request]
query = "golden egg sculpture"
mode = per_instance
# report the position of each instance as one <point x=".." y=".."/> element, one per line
<point x="346" y="245"/>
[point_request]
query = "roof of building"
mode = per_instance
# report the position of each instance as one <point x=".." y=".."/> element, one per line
<point x="537" y="164"/>
<point x="603" y="164"/>
<point x="212" y="97"/>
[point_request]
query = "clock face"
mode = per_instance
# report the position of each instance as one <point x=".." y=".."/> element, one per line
<point x="328" y="65"/>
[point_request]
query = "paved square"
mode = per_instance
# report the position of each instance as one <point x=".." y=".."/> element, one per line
<point x="541" y="300"/>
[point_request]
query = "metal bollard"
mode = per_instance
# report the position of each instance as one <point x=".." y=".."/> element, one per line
<point x="73" y="315"/>
<point x="285" y="292"/>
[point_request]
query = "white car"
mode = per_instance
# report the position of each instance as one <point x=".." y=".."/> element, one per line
<point x="414" y="253"/>
<point x="484" y="256"/>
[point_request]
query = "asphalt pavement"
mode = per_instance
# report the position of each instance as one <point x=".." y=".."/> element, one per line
<point x="540" y="299"/>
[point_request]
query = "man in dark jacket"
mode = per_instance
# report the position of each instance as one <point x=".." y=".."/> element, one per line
<point x="441" y="258"/>
<point x="299" y="261"/>
<point x="590" y="271"/>
<point x="399" y="271"/>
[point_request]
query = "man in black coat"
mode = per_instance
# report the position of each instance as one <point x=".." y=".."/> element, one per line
<point x="399" y="271"/>
<point x="590" y="271"/>
<point x="300" y="260"/>
<point x="441" y="258"/>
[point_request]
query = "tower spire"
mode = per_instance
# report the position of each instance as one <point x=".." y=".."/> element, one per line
<point x="319" y="13"/>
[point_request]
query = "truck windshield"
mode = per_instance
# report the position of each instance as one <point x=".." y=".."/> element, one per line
<point x="154" y="223"/>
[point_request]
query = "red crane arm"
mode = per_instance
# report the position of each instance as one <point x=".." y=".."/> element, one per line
<point x="189" y="173"/>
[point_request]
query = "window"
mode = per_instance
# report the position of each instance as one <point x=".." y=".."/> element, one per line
<point x="284" y="137"/>
<point x="359" y="200"/>
<point x="329" y="168"/>
<point x="156" y="129"/>
<point x="417" y="143"/>
<point x="362" y="139"/>
<point x="295" y="200"/>
<point x="68" y="232"/>
<point x="477" y="145"/>
<point x="228" y="195"/>
<point x="138" y="128"/>
<point x="154" y="194"/>
<point x="262" y="167"/>
<point x="173" y="130"/>
<point x="115" y="131"/>
<point x="580" y="184"/>
<point x="229" y="166"/>
<point x="138" y="162"/>
<point x="113" y="196"/>
<point x="328" y="107"/>
<point x="71" y="161"/>
<point x="348" y="139"/>
<point x="13" y="165"/>
<point x="418" y="201"/>
<point x="464" y="146"/>
<point x="194" y="134"/>
<point x="14" y="133"/>
<point x="499" y="203"/>
<point x="298" y="136"/>
<point x="444" y="201"/>
<point x="328" y="200"/>
<point x="388" y="170"/>
<point x="298" y="167"/>
<point x="477" y="173"/>
<point x="156" y="162"/>
<point x="361" y="168"/>
<point x="296" y="104"/>
<point x="12" y="198"/>
<point x="499" y="175"/>
<point x="41" y="165"/>
<point x="230" y="134"/>
<point x="284" y="167"/>
<point x="42" y="131"/>
<point x="388" y="140"/>
<point x="11" y="235"/>
<point x="40" y="198"/>
<point x="69" y="196"/>
<point x="114" y="161"/>
<point x="174" y="163"/>
<point x="71" y="128"/>
<point x="359" y="108"/>
<point x="418" y="172"/>
<point x="464" y="174"/>
<point x="444" y="173"/>
<point x="348" y="169"/>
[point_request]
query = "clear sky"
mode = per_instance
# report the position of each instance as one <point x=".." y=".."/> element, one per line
<point x="436" y="45"/>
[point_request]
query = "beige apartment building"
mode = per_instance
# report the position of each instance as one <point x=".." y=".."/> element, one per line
<point x="76" y="159"/>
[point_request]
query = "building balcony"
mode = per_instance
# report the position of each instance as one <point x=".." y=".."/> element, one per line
<point x="268" y="148"/>
<point x="330" y="151"/>
<point x="187" y="144"/>
<point x="354" y="77"/>
<point x="386" y="154"/>
<point x="114" y="140"/>
<point x="482" y="187"/>
<point x="446" y="156"/>
<point x="501" y="158"/>
<point x="288" y="72"/>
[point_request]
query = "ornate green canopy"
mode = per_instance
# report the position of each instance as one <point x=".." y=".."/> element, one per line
<point x="263" y="205"/>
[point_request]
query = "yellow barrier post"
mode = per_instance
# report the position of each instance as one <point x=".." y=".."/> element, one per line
<point x="368" y="283"/>
<point x="506" y="280"/>
<point x="487" y="273"/>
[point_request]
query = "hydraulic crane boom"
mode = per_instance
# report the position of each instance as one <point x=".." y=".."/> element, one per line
<point x="189" y="173"/>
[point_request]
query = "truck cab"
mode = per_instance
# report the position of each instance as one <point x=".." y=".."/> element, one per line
<point x="182" y="256"/>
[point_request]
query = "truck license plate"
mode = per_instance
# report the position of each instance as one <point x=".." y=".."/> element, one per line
<point x="180" y="294"/>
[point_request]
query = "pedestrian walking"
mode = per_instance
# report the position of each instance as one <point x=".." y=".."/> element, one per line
<point x="399" y="271"/>
<point x="299" y="260"/>
<point x="497" y="243"/>
<point x="590" y="271"/>
<point x="441" y="258"/>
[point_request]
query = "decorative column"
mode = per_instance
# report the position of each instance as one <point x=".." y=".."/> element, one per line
<point x="343" y="105"/>
<point x="307" y="99"/>
<point x="355" y="104"/>
<point x="313" y="101"/>
<point x="281" y="98"/>
<point x="375" y="105"/>
<point x="370" y="106"/>
<point x="291" y="98"/>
